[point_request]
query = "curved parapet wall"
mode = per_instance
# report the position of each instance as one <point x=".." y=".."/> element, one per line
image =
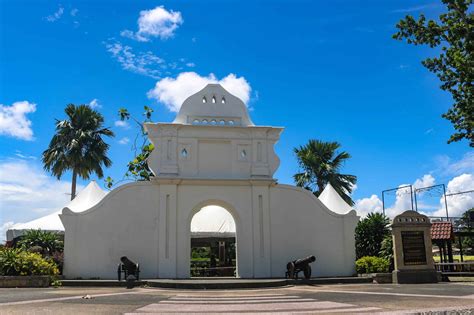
<point x="149" y="222"/>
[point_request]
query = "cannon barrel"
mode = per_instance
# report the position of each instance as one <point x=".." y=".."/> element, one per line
<point x="129" y="265"/>
<point x="304" y="261"/>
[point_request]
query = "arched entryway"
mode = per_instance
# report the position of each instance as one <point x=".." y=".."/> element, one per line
<point x="213" y="243"/>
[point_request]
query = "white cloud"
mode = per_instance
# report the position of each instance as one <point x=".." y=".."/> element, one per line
<point x="457" y="204"/>
<point x="157" y="22"/>
<point x="122" y="124"/>
<point x="402" y="199"/>
<point x="173" y="91"/>
<point x="426" y="181"/>
<point x="56" y="15"/>
<point x="95" y="103"/>
<point x="13" y="120"/>
<point x="74" y="12"/>
<point x="365" y="206"/>
<point x="144" y="63"/>
<point x="190" y="64"/>
<point x="124" y="140"/>
<point x="416" y="8"/>
<point x="447" y="166"/>
<point x="27" y="193"/>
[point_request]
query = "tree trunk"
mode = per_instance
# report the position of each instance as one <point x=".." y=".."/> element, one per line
<point x="73" y="185"/>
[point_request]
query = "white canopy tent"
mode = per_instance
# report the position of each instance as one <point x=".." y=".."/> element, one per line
<point x="333" y="201"/>
<point x="212" y="221"/>
<point x="86" y="198"/>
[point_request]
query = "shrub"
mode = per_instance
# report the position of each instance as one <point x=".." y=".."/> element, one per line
<point x="369" y="234"/>
<point x="49" y="242"/>
<point x="15" y="262"/>
<point x="372" y="264"/>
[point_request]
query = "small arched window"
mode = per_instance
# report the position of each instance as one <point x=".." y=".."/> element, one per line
<point x="204" y="122"/>
<point x="214" y="99"/>
<point x="230" y="122"/>
<point x="204" y="100"/>
<point x="222" y="122"/>
<point x="196" y="122"/>
<point x="223" y="100"/>
<point x="213" y="122"/>
<point x="184" y="153"/>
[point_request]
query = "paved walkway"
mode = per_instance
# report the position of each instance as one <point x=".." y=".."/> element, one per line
<point x="334" y="299"/>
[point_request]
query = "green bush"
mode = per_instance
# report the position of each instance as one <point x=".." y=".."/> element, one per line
<point x="48" y="242"/>
<point x="16" y="262"/>
<point x="369" y="234"/>
<point x="372" y="264"/>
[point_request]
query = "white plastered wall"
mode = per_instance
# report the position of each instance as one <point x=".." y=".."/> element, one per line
<point x="150" y="223"/>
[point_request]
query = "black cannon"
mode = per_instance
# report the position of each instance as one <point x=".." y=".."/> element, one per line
<point x="128" y="267"/>
<point x="296" y="266"/>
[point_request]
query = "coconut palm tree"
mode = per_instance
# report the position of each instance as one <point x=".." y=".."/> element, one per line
<point x="78" y="146"/>
<point x="321" y="164"/>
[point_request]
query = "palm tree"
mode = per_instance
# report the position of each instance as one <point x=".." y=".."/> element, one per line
<point x="321" y="164"/>
<point x="78" y="145"/>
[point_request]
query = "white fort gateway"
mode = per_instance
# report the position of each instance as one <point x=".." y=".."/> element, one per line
<point x="210" y="155"/>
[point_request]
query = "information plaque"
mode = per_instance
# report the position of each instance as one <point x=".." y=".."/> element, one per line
<point x="414" y="252"/>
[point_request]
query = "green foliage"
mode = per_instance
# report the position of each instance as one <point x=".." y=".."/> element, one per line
<point x="78" y="145"/>
<point x="49" y="242"/>
<point x="17" y="262"/>
<point x="386" y="248"/>
<point x="371" y="264"/>
<point x="137" y="169"/>
<point x="56" y="282"/>
<point x="320" y="164"/>
<point x="369" y="234"/>
<point x="466" y="225"/>
<point x="453" y="34"/>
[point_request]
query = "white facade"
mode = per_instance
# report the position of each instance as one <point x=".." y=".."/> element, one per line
<point x="212" y="154"/>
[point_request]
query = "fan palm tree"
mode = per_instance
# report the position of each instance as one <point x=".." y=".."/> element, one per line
<point x="78" y="145"/>
<point x="320" y="164"/>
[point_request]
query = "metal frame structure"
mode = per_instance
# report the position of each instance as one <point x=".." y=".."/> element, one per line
<point x="428" y="188"/>
<point x="395" y="189"/>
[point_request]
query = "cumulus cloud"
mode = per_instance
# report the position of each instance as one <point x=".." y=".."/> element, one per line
<point x="366" y="205"/>
<point x="144" y="63"/>
<point x="124" y="140"/>
<point x="460" y="203"/>
<point x="157" y="22"/>
<point x="25" y="198"/>
<point x="13" y="120"/>
<point x="95" y="103"/>
<point x="122" y="124"/>
<point x="173" y="91"/>
<point x="56" y="15"/>
<point x="402" y="199"/>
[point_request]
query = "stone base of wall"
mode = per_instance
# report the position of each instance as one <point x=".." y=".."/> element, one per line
<point x="24" y="281"/>
<point x="415" y="276"/>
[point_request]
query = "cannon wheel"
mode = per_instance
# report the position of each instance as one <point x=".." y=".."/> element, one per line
<point x="291" y="270"/>
<point x="307" y="272"/>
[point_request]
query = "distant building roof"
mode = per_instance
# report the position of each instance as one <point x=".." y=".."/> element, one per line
<point x="442" y="231"/>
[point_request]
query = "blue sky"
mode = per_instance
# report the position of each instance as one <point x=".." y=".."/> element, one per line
<point x="323" y="70"/>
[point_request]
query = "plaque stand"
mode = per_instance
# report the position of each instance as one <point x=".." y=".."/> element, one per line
<point x="412" y="249"/>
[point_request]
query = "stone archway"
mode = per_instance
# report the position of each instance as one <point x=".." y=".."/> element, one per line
<point x="230" y="210"/>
